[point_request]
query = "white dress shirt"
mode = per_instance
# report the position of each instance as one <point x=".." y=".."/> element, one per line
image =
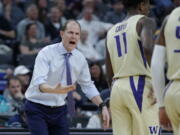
<point x="50" y="68"/>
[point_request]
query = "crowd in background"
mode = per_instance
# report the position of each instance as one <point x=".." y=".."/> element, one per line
<point x="26" y="26"/>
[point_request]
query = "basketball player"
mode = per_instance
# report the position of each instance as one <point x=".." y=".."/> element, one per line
<point x="129" y="43"/>
<point x="167" y="49"/>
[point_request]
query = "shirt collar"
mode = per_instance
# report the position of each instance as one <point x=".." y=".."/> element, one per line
<point x="63" y="50"/>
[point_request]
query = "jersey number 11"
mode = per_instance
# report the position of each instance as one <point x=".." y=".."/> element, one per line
<point x="118" y="39"/>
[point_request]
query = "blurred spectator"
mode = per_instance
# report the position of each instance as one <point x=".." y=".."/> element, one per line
<point x="60" y="4"/>
<point x="108" y="2"/>
<point x="176" y="3"/>
<point x="23" y="74"/>
<point x="5" y="50"/>
<point x="94" y="28"/>
<point x="101" y="9"/>
<point x="1" y="7"/>
<point x="42" y="5"/>
<point x="6" y="71"/>
<point x="13" y="94"/>
<point x="31" y="44"/>
<point x="3" y="81"/>
<point x="88" y="4"/>
<point x="12" y="13"/>
<point x="9" y="70"/>
<point x="69" y="10"/>
<point x="4" y="106"/>
<point x="73" y="9"/>
<point x="95" y="120"/>
<point x="98" y="6"/>
<point x="161" y="9"/>
<point x="88" y="51"/>
<point x="117" y="14"/>
<point x="97" y="76"/>
<point x="162" y="3"/>
<point x="21" y="4"/>
<point x="7" y="33"/>
<point x="32" y="17"/>
<point x="5" y="55"/>
<point x="100" y="48"/>
<point x="54" y="22"/>
<point x="18" y="120"/>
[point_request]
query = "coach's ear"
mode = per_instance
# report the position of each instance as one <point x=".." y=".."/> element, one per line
<point x="61" y="33"/>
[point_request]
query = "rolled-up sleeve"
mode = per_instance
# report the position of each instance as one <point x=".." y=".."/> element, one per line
<point x="41" y="69"/>
<point x="86" y="84"/>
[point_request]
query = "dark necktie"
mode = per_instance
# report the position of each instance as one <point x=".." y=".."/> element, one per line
<point x="70" y="99"/>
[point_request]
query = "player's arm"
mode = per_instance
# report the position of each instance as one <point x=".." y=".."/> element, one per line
<point x="109" y="70"/>
<point x="157" y="68"/>
<point x="146" y="28"/>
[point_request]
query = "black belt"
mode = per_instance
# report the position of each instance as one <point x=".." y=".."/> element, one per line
<point x="47" y="106"/>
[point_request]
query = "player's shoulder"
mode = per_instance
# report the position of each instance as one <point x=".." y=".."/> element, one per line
<point x="146" y="21"/>
<point x="175" y="14"/>
<point x="176" y="10"/>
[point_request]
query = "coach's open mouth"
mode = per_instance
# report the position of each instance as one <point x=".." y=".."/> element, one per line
<point x="72" y="42"/>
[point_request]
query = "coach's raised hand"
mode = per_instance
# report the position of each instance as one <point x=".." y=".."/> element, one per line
<point x="58" y="89"/>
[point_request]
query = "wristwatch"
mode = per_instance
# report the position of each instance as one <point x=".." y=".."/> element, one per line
<point x="101" y="105"/>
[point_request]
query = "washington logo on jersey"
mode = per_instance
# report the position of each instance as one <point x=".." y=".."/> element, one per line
<point x="154" y="130"/>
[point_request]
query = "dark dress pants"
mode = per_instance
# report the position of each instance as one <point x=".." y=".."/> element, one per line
<point x="46" y="120"/>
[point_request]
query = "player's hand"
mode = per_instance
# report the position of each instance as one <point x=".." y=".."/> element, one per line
<point x="105" y="117"/>
<point x="64" y="89"/>
<point x="164" y="120"/>
<point x="151" y="96"/>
